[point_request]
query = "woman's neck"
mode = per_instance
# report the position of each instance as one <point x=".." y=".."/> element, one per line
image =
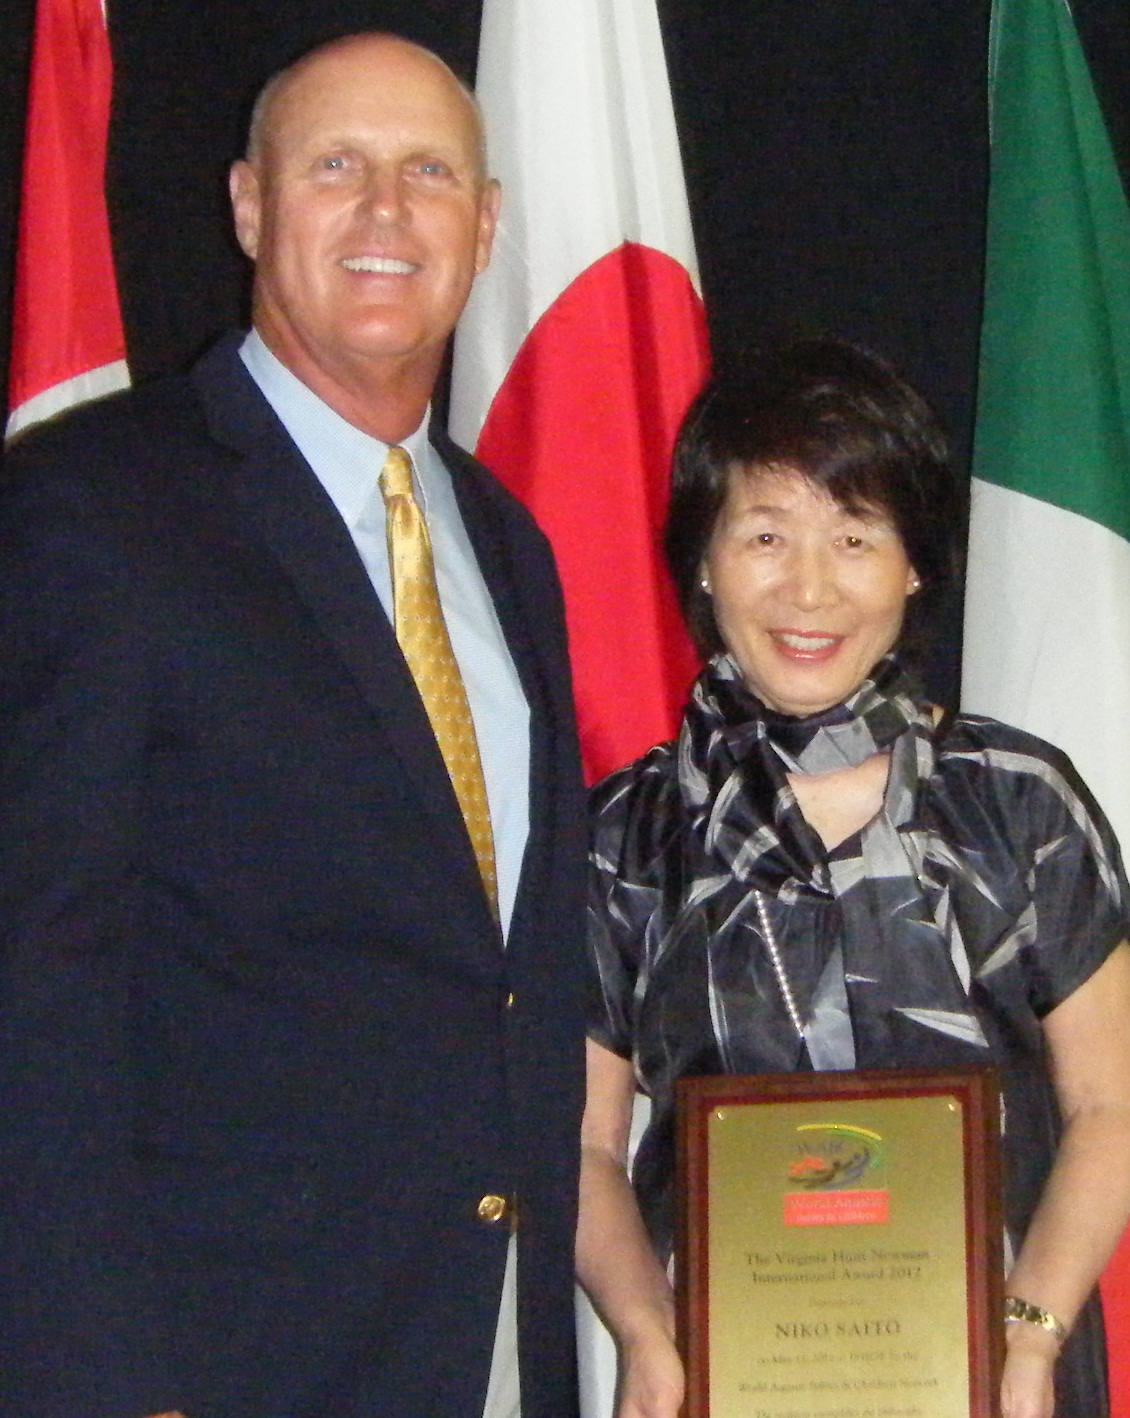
<point x="839" y="803"/>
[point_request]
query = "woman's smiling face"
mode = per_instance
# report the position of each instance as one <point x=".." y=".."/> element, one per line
<point x="807" y="596"/>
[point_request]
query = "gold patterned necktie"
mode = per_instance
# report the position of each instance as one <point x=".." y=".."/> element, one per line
<point x="423" y="637"/>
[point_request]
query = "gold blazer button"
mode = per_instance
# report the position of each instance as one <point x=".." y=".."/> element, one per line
<point x="492" y="1209"/>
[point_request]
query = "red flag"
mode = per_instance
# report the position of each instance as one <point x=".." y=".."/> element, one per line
<point x="67" y="340"/>
<point x="585" y="339"/>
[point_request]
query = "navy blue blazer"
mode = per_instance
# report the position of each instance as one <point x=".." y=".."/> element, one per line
<point x="261" y="1049"/>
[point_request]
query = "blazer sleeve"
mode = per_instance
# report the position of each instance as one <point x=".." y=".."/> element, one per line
<point x="79" y="1329"/>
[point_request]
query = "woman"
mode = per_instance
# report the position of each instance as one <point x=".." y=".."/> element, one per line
<point x="825" y="871"/>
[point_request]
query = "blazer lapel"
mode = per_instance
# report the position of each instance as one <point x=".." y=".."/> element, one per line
<point x="516" y="614"/>
<point x="299" y="523"/>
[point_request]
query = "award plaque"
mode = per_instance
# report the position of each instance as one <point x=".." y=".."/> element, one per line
<point x="838" y="1250"/>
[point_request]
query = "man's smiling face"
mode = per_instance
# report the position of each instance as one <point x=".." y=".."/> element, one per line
<point x="365" y="208"/>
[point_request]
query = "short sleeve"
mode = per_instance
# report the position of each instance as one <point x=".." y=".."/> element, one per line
<point x="1077" y="883"/>
<point x="632" y="813"/>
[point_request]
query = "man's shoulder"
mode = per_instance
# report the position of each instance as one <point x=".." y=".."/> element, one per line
<point x="469" y="473"/>
<point x="465" y="464"/>
<point x="151" y="428"/>
<point x="115" y="418"/>
<point x="146" y="418"/>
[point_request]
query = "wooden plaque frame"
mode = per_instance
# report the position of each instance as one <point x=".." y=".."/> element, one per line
<point x="975" y="1090"/>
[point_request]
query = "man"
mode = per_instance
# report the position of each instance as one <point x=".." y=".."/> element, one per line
<point x="290" y="1061"/>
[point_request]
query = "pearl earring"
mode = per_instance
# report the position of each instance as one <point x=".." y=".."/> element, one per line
<point x="705" y="584"/>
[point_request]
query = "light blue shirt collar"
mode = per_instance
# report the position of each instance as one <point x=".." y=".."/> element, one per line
<point x="346" y="460"/>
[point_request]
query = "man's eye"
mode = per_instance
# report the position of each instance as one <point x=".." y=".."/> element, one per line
<point x="333" y="163"/>
<point x="853" y="542"/>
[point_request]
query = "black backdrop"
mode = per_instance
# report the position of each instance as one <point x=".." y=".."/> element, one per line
<point x="836" y="155"/>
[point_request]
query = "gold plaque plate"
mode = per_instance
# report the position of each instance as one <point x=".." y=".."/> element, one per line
<point x="839" y="1251"/>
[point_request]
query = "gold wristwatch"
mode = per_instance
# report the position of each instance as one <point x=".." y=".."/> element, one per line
<point x="1017" y="1310"/>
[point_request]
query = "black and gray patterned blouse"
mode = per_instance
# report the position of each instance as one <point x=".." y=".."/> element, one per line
<point x="1023" y="890"/>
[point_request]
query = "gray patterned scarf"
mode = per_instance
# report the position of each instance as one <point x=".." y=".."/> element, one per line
<point x="898" y="975"/>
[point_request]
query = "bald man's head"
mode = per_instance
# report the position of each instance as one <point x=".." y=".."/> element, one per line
<point x="259" y="123"/>
<point x="364" y="204"/>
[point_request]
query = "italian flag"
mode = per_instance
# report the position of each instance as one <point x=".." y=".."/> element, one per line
<point x="585" y="339"/>
<point x="67" y="340"/>
<point x="1047" y="629"/>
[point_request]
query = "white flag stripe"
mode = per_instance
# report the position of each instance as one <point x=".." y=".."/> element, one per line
<point x="613" y="157"/>
<point x="92" y="384"/>
<point x="1045" y="642"/>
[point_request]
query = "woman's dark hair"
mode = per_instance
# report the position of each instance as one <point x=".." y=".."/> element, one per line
<point x="844" y="420"/>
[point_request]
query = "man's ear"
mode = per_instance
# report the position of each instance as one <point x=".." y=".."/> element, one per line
<point x="489" y="204"/>
<point x="246" y="205"/>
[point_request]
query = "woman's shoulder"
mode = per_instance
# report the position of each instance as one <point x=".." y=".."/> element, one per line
<point x="1002" y="749"/>
<point x="641" y="801"/>
<point x="1029" y="778"/>
<point x="650" y="778"/>
<point x="1037" y="843"/>
<point x="965" y="732"/>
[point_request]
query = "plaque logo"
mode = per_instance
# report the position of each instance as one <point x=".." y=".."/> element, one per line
<point x="836" y="1176"/>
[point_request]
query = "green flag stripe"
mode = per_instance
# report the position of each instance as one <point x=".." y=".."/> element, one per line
<point x="1053" y="417"/>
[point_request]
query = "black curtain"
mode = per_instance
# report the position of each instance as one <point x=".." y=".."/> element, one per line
<point x="836" y="157"/>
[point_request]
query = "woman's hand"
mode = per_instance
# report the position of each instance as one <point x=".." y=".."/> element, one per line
<point x="1026" y="1386"/>
<point x="651" y="1379"/>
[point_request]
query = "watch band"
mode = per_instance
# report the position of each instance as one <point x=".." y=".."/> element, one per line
<point x="1017" y="1310"/>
